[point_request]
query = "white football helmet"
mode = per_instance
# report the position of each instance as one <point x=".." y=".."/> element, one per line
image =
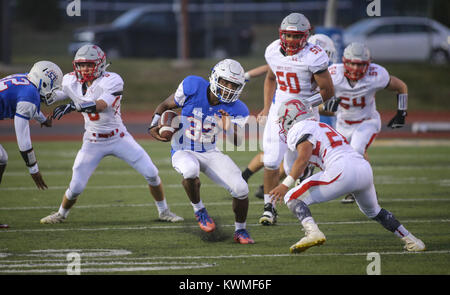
<point x="326" y="43"/>
<point x="231" y="71"/>
<point x="47" y="77"/>
<point x="294" y="24"/>
<point x="357" y="53"/>
<point x="90" y="54"/>
<point x="291" y="112"/>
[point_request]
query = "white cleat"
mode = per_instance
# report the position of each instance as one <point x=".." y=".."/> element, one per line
<point x="313" y="237"/>
<point x="53" y="218"/>
<point x="166" y="215"/>
<point x="413" y="244"/>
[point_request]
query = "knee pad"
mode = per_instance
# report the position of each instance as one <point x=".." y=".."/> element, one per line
<point x="153" y="181"/>
<point x="71" y="195"/>
<point x="241" y="191"/>
<point x="190" y="172"/>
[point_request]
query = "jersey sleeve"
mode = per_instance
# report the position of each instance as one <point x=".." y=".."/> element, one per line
<point x="382" y="77"/>
<point x="26" y="110"/>
<point x="317" y="59"/>
<point x="187" y="88"/>
<point x="298" y="131"/>
<point x="112" y="87"/>
<point x="179" y="96"/>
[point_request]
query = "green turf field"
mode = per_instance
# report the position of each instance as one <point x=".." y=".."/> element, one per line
<point x="115" y="228"/>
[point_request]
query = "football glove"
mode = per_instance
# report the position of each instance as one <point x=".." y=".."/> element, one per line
<point x="398" y="121"/>
<point x="63" y="109"/>
<point x="331" y="105"/>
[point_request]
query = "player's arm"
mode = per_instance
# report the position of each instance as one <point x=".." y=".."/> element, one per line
<point x="24" y="112"/>
<point x="304" y="152"/>
<point x="167" y="104"/>
<point x="397" y="85"/>
<point x="325" y="84"/>
<point x="270" y="85"/>
<point x="256" y="72"/>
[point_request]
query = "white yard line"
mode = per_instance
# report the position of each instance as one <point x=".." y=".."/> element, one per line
<point x="165" y="227"/>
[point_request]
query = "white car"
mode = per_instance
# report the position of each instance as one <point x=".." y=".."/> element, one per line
<point x="402" y="38"/>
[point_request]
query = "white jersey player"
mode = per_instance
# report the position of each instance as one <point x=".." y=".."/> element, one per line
<point x="343" y="171"/>
<point x="297" y="70"/>
<point x="97" y="94"/>
<point x="356" y="82"/>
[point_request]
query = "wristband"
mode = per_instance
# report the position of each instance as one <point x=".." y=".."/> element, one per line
<point x="315" y="100"/>
<point x="155" y="120"/>
<point x="33" y="169"/>
<point x="87" y="107"/>
<point x="402" y="101"/>
<point x="247" y="76"/>
<point x="288" y="181"/>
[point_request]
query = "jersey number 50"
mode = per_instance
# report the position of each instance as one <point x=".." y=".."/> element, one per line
<point x="288" y="82"/>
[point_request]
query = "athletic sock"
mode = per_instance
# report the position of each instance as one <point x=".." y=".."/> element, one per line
<point x="63" y="212"/>
<point x="198" y="206"/>
<point x="401" y="232"/>
<point x="161" y="205"/>
<point x="239" y="225"/>
<point x="268" y="199"/>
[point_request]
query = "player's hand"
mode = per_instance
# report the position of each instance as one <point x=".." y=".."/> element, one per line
<point x="37" y="177"/>
<point x="261" y="118"/>
<point x="48" y="122"/>
<point x="63" y="109"/>
<point x="331" y="105"/>
<point x="278" y="193"/>
<point x="398" y="121"/>
<point x="154" y="132"/>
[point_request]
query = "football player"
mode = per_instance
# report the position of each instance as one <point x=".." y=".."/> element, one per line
<point x="20" y="99"/>
<point x="343" y="170"/>
<point x="356" y="81"/>
<point x="207" y="107"/>
<point x="326" y="111"/>
<point x="97" y="94"/>
<point x="297" y="70"/>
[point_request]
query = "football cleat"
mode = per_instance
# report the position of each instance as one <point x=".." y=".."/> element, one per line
<point x="413" y="244"/>
<point x="260" y="193"/>
<point x="242" y="236"/>
<point x="4" y="226"/>
<point x="166" y="215"/>
<point x="204" y="221"/>
<point x="53" y="218"/>
<point x="269" y="216"/>
<point x="313" y="237"/>
<point x="348" y="199"/>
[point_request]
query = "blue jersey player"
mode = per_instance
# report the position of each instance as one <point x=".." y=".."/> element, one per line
<point x="20" y="98"/>
<point x="206" y="108"/>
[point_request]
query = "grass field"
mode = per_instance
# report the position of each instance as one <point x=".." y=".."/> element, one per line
<point x="115" y="228"/>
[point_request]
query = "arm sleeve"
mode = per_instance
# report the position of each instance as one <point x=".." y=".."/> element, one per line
<point x="179" y="96"/>
<point x="22" y="128"/>
<point x="40" y="117"/>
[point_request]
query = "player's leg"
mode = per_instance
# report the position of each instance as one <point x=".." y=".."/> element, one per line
<point x="274" y="150"/>
<point x="131" y="152"/>
<point x="187" y="164"/>
<point x="368" y="204"/>
<point x="86" y="161"/>
<point x="254" y="166"/>
<point x="221" y="169"/>
<point x="3" y="161"/>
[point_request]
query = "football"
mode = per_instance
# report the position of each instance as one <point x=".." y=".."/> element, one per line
<point x="167" y="124"/>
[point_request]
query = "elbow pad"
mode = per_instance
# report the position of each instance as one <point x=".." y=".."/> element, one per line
<point x="315" y="100"/>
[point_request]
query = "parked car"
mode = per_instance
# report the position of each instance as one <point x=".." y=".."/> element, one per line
<point x="402" y="38"/>
<point x="142" y="32"/>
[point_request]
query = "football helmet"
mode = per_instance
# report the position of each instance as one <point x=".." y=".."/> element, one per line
<point x="294" y="24"/>
<point x="292" y="112"/>
<point x="231" y="71"/>
<point x="47" y="77"/>
<point x="326" y="43"/>
<point x="357" y="53"/>
<point x="90" y="54"/>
